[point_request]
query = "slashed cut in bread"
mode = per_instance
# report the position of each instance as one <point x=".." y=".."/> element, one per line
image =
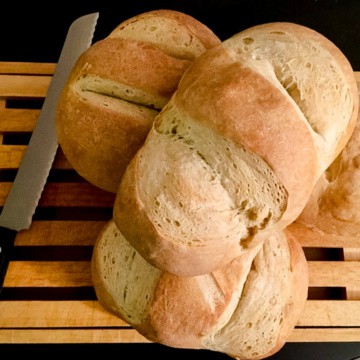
<point x="247" y="309"/>
<point x="238" y="149"/>
<point x="119" y="85"/>
<point x="333" y="210"/>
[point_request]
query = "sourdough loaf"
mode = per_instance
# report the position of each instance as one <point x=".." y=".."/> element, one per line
<point x="333" y="210"/>
<point x="118" y="86"/>
<point x="238" y="149"/>
<point x="246" y="309"/>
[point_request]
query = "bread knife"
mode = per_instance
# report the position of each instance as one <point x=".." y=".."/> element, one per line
<point x="37" y="160"/>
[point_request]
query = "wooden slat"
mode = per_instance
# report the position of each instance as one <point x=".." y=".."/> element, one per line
<point x="11" y="155"/>
<point x="4" y="191"/>
<point x="81" y="233"/>
<point x="308" y="238"/>
<point x="312" y="335"/>
<point x="48" y="274"/>
<point x="71" y="336"/>
<point x="18" y="120"/>
<point x="353" y="293"/>
<point x="75" y="321"/>
<point x="67" y="195"/>
<point x="322" y="273"/>
<point x="334" y="273"/>
<point x="329" y="313"/>
<point x="352" y="254"/>
<point x="75" y="194"/>
<point x="8" y="67"/>
<point x="129" y="335"/>
<point x="54" y="314"/>
<point x="24" y="86"/>
<point x="35" y="314"/>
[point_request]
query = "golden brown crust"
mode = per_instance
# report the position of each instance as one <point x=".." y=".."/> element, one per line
<point x="337" y="131"/>
<point x="241" y="94"/>
<point x="129" y="214"/>
<point x="257" y="298"/>
<point x="333" y="209"/>
<point x="99" y="140"/>
<point x="99" y="157"/>
<point x="131" y="217"/>
<point x="137" y="64"/>
<point x="298" y="291"/>
<point x="115" y="90"/>
<point x="245" y="107"/>
<point x="185" y="38"/>
<point x="182" y="320"/>
<point x="216" y="92"/>
<point x="97" y="276"/>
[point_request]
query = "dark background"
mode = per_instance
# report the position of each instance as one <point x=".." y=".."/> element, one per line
<point x="35" y="32"/>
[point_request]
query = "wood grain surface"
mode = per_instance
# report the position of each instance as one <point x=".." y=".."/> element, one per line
<point x="48" y="295"/>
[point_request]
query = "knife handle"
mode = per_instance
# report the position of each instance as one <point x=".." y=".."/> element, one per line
<point x="7" y="239"/>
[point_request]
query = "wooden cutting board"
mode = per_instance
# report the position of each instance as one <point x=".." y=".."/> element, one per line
<point x="48" y="295"/>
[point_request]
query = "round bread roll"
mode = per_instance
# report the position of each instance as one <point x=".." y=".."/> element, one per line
<point x="333" y="210"/>
<point x="247" y="309"/>
<point x="118" y="86"/>
<point x="238" y="149"/>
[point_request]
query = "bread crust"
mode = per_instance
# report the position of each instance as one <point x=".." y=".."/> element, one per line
<point x="242" y="297"/>
<point x="201" y="312"/>
<point x="246" y="108"/>
<point x="99" y="139"/>
<point x="176" y="33"/>
<point x="261" y="100"/>
<point x="269" y="306"/>
<point x="335" y="130"/>
<point x="130" y="214"/>
<point x="182" y="321"/>
<point x="117" y="87"/>
<point x="332" y="211"/>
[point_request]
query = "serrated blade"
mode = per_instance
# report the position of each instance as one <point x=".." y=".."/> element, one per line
<point x="37" y="160"/>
